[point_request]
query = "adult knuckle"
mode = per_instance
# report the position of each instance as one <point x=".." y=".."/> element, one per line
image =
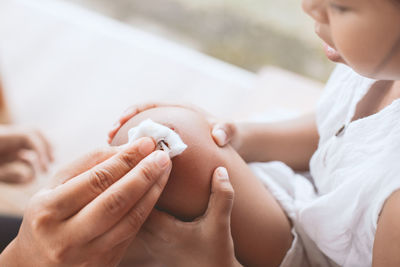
<point x="128" y="159"/>
<point x="159" y="187"/>
<point x="59" y="254"/>
<point x="115" y="203"/>
<point x="40" y="219"/>
<point x="136" y="218"/>
<point x="148" y="172"/>
<point x="100" y="180"/>
<point x="227" y="193"/>
<point x="38" y="212"/>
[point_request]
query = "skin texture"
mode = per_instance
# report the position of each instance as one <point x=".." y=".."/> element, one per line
<point x="195" y="174"/>
<point x="260" y="229"/>
<point x="292" y="142"/>
<point x="98" y="189"/>
<point x="364" y="33"/>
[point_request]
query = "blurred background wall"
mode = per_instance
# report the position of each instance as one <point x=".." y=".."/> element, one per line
<point x="247" y="33"/>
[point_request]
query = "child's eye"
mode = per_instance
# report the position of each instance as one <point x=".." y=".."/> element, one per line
<point x="339" y="8"/>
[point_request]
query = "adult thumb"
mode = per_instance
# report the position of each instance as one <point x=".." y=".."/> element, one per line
<point x="221" y="199"/>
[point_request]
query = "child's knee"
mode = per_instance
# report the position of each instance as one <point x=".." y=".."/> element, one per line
<point x="187" y="192"/>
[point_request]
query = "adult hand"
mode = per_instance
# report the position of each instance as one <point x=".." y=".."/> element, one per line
<point x="91" y="218"/>
<point x="206" y="241"/>
<point x="21" y="149"/>
<point x="223" y="133"/>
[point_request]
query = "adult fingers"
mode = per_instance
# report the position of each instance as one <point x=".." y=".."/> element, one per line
<point x="108" y="208"/>
<point x="85" y="163"/>
<point x="16" y="172"/>
<point x="33" y="141"/>
<point x="110" y="256"/>
<point x="221" y="199"/>
<point x="30" y="158"/>
<point x="160" y="226"/>
<point x="75" y="194"/>
<point x="130" y="224"/>
<point x="162" y="232"/>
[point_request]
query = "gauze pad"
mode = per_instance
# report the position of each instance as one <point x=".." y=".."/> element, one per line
<point x="166" y="139"/>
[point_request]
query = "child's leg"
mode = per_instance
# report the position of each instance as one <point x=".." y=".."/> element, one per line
<point x="260" y="229"/>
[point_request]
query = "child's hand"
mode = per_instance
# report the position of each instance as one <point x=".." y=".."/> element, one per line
<point x="136" y="109"/>
<point x="226" y="133"/>
<point x="223" y="133"/>
<point x="207" y="241"/>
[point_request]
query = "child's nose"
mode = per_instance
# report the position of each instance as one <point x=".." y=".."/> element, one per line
<point x="316" y="9"/>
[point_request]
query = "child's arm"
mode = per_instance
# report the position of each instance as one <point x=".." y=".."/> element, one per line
<point x="292" y="142"/>
<point x="386" y="252"/>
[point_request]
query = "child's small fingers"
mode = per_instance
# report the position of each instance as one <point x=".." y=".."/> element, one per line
<point x="222" y="133"/>
<point x="127" y="115"/>
<point x="136" y="109"/>
<point x="111" y="134"/>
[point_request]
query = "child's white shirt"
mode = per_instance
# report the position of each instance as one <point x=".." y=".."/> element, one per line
<point x="354" y="170"/>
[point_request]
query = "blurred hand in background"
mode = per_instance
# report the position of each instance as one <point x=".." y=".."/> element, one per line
<point x="23" y="152"/>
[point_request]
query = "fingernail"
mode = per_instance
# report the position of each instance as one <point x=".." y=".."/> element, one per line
<point x="222" y="174"/>
<point x="161" y="159"/>
<point x="220" y="136"/>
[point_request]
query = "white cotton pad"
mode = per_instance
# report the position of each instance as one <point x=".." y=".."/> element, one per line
<point x="166" y="139"/>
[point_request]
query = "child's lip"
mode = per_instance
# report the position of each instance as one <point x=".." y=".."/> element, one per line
<point x="330" y="50"/>
<point x="331" y="53"/>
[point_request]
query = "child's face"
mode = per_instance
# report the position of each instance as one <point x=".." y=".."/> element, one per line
<point x="364" y="34"/>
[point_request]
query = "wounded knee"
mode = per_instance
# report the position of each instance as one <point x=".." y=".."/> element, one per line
<point x="187" y="191"/>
